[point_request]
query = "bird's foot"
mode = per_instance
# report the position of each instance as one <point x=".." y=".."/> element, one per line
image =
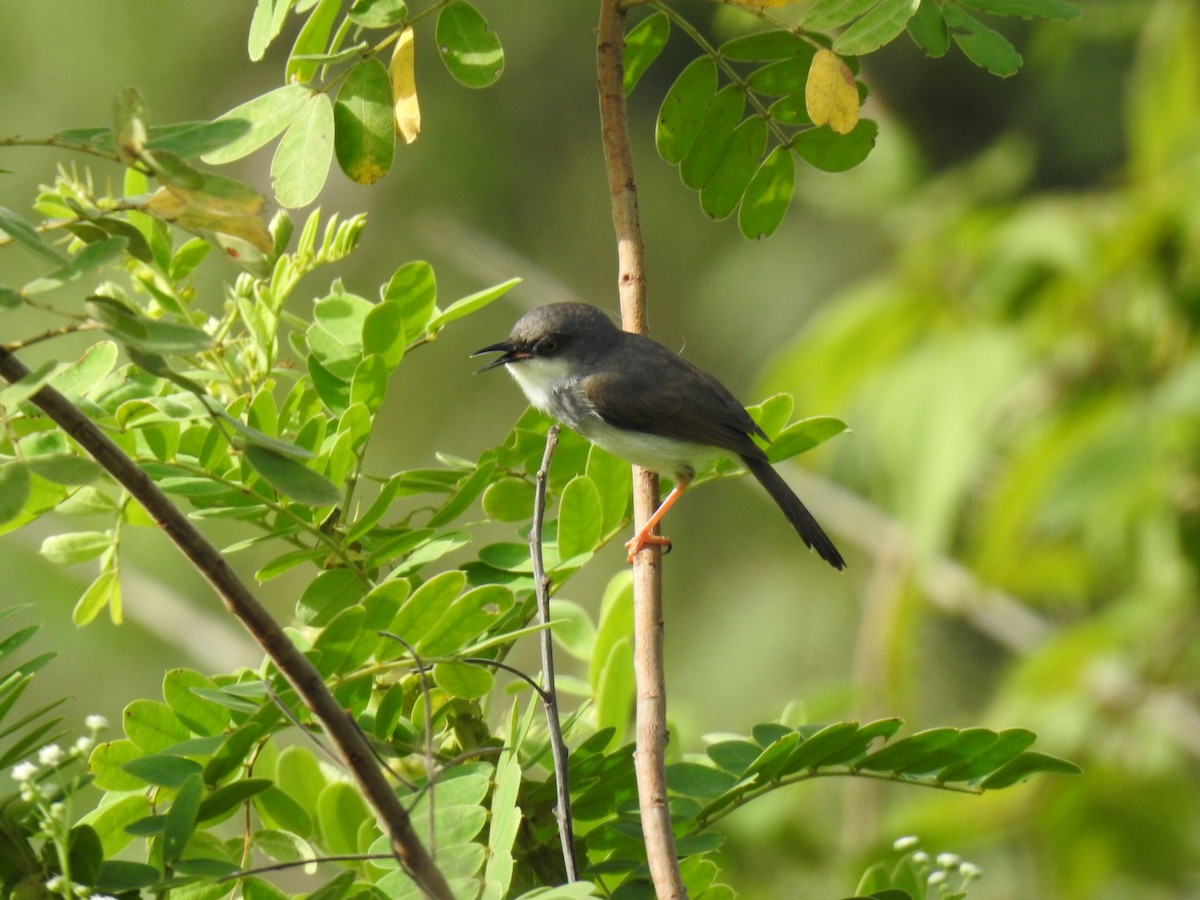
<point x="644" y="539"/>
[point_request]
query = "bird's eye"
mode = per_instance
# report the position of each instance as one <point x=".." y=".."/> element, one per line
<point x="549" y="345"/>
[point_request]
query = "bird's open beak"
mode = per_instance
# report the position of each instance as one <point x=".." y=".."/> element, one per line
<point x="511" y="354"/>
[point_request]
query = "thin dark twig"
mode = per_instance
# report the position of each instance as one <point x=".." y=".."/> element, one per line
<point x="430" y="764"/>
<point x="541" y="587"/>
<point x="281" y="866"/>
<point x="240" y="601"/>
<point x="307" y="732"/>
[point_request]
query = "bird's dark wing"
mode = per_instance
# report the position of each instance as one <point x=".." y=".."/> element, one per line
<point x="678" y="401"/>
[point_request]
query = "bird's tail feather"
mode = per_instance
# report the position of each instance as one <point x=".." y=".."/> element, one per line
<point x="802" y="520"/>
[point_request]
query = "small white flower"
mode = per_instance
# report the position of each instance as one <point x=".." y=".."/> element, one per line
<point x="905" y="843"/>
<point x="96" y="723"/>
<point x="22" y="772"/>
<point x="920" y="857"/>
<point x="50" y="755"/>
<point x="969" y="871"/>
<point x="949" y="860"/>
<point x="84" y="745"/>
<point x="102" y="897"/>
<point x="29" y="795"/>
<point x="938" y="876"/>
<point x="53" y="883"/>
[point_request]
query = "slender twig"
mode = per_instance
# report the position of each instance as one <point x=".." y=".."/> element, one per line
<point x="541" y="587"/>
<point x="240" y="601"/>
<point x="427" y="743"/>
<point x="651" y="728"/>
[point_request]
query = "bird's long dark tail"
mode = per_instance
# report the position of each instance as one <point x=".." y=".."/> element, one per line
<point x="802" y="520"/>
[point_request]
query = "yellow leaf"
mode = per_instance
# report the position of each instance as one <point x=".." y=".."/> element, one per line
<point x="407" y="110"/>
<point x="830" y="94"/>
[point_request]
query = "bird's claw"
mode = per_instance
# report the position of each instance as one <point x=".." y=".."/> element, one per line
<point x="641" y="541"/>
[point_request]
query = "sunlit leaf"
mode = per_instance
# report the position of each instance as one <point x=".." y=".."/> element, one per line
<point x="684" y="110"/>
<point x="643" y="43"/>
<point x="301" y="162"/>
<point x="362" y="120"/>
<point x="291" y="478"/>
<point x="471" y="53"/>
<point x="768" y="195"/>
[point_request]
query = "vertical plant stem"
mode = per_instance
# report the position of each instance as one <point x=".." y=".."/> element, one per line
<point x="541" y="586"/>
<point x="295" y="666"/>
<point x="651" y="728"/>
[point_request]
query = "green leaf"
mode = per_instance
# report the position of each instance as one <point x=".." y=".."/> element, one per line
<point x="232" y="752"/>
<point x="163" y="770"/>
<point x="107" y="766"/>
<point x="911" y="755"/>
<point x="695" y="780"/>
<point x="340" y="809"/>
<point x="414" y="288"/>
<point x="766" y="45"/>
<point x="774" y="757"/>
<point x="364" y="139"/>
<point x="733" y="756"/>
<point x="1026" y="764"/>
<point x="152" y="726"/>
<point x="336" y="643"/>
<point x="383" y="333"/>
<point x="470" y="304"/>
<point x="786" y="77"/>
<point x="463" y="680"/>
<point x="368" y="387"/>
<point x="611" y="477"/>
<point x="92" y="256"/>
<point x="425" y="607"/>
<point x="470" y="615"/>
<point x="301" y="162"/>
<point x="580" y="517"/>
<point x="830" y="745"/>
<point x="470" y="52"/>
<point x="15" y="487"/>
<point x="879" y="26"/>
<point x="267" y="116"/>
<point x="984" y="46"/>
<point x="802" y="436"/>
<point x="684" y="110"/>
<point x="24" y="233"/>
<point x="197" y="138"/>
<point x="723" y="116"/>
<point x="68" y="548"/>
<point x="505" y="824"/>
<point x="825" y="15"/>
<point x="201" y="716"/>
<point x="768" y="195"/>
<point x="65" y="468"/>
<point x="1027" y="9"/>
<point x="105" y="591"/>
<point x="509" y="500"/>
<point x="831" y="152"/>
<point x="332" y="591"/>
<point x="722" y="193"/>
<point x="109" y="822"/>
<point x="643" y="43"/>
<point x="180" y="819"/>
<point x="290" y="477"/>
<point x="378" y="13"/>
<point x="138" y="331"/>
<point x="928" y="29"/>
<point x="312" y="39"/>
<point x="336" y="334"/>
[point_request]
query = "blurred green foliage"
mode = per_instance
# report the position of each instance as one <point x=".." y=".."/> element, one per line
<point x="1018" y="368"/>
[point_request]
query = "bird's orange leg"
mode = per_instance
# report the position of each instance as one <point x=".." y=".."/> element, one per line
<point x="645" y="537"/>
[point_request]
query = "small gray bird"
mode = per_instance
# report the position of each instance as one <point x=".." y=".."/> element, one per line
<point x="639" y="401"/>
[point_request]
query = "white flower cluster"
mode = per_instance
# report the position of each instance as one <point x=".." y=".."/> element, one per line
<point x="939" y="870"/>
